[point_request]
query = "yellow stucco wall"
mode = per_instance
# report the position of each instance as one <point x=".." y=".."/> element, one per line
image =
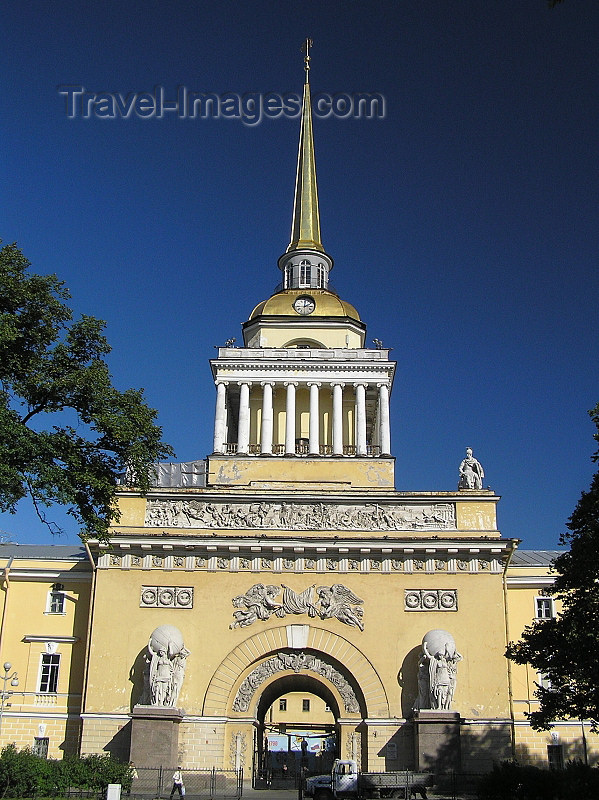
<point x="27" y="628"/>
<point x="320" y="473"/>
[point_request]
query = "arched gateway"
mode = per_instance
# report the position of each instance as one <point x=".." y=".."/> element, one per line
<point x="286" y="661"/>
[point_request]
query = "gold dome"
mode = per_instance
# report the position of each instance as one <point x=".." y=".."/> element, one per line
<point x="327" y="305"/>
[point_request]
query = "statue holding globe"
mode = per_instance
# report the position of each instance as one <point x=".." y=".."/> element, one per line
<point x="436" y="684"/>
<point x="166" y="665"/>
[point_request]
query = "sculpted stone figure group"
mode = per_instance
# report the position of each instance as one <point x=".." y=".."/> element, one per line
<point x="299" y="516"/>
<point x="334" y="602"/>
<point x="437" y="671"/>
<point x="165" y="667"/>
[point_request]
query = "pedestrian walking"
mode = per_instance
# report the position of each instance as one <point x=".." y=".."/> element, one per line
<point x="178" y="784"/>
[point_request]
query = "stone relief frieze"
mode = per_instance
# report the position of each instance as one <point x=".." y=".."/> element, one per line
<point x="300" y="516"/>
<point x="430" y="600"/>
<point x="331" y="602"/>
<point x="166" y="597"/>
<point x="298" y="662"/>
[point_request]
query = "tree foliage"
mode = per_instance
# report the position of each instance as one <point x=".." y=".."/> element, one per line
<point x="510" y="780"/>
<point x="66" y="432"/>
<point x="25" y="774"/>
<point x="565" y="648"/>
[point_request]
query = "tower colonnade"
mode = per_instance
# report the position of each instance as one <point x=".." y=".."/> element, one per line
<point x="368" y="399"/>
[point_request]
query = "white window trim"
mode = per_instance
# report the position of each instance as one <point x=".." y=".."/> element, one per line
<point x="544" y="598"/>
<point x="543" y="681"/>
<point x="49" y="603"/>
<point x="39" y="673"/>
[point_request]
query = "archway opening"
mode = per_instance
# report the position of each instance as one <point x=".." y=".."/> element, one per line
<point x="297" y="730"/>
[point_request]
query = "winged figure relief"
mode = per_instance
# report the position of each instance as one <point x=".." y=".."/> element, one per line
<point x="339" y="602"/>
<point x="257" y="603"/>
<point x="333" y="602"/>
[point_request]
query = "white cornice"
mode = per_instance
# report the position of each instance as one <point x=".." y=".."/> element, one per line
<point x="529" y="581"/>
<point x="20" y="574"/>
<point x="416" y="547"/>
<point x="46" y="638"/>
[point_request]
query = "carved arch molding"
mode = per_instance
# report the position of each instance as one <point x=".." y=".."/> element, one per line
<point x="296" y="662"/>
<point x="269" y="653"/>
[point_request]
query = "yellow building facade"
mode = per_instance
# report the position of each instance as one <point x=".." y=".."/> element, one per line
<point x="283" y="590"/>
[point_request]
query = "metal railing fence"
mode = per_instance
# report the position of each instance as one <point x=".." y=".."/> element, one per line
<point x="157" y="783"/>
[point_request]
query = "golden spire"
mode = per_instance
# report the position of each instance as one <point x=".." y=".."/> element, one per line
<point x="305" y="228"/>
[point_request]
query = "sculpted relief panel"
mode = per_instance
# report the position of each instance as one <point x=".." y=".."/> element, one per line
<point x="300" y="516"/>
<point x="166" y="597"/>
<point x="331" y="602"/>
<point x="298" y="662"/>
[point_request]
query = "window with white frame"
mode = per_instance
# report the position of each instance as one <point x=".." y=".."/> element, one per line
<point x="40" y="746"/>
<point x="50" y="667"/>
<point x="544" y="608"/>
<point x="543" y="680"/>
<point x="56" y="599"/>
<point x="305" y="273"/>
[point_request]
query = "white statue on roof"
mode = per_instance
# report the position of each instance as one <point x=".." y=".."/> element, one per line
<point x="471" y="472"/>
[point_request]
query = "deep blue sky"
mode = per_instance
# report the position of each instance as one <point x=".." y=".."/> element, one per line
<point x="464" y="225"/>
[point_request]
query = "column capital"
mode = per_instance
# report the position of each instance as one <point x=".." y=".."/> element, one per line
<point x="267" y="383"/>
<point x="244" y="383"/>
<point x="360" y="383"/>
<point x="383" y="385"/>
<point x="290" y="383"/>
<point x="338" y="383"/>
<point x="314" y="383"/>
<point x="220" y="382"/>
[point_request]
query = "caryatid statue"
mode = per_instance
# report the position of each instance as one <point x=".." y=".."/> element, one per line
<point x="471" y="472"/>
<point x="437" y="671"/>
<point x="166" y="665"/>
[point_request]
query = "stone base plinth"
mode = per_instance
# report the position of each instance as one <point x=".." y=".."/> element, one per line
<point x="155" y="736"/>
<point x="437" y="741"/>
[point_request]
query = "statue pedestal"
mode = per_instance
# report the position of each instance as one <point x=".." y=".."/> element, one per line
<point x="437" y="740"/>
<point x="155" y="736"/>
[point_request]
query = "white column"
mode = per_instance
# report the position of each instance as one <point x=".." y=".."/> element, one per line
<point x="314" y="447"/>
<point x="266" y="429"/>
<point x="243" y="427"/>
<point x="220" y="417"/>
<point x="385" y="430"/>
<point x="360" y="419"/>
<point x="338" y="419"/>
<point x="290" y="420"/>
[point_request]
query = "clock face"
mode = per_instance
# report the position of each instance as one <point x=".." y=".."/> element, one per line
<point x="304" y="304"/>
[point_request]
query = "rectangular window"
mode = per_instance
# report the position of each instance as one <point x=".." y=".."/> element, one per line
<point x="555" y="756"/>
<point x="320" y="276"/>
<point x="56" y="605"/>
<point x="40" y="746"/>
<point x="305" y="705"/>
<point x="49" y="674"/>
<point x="544" y="608"/>
<point x="283" y="704"/>
<point x="543" y="680"/>
<point x="305" y="273"/>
